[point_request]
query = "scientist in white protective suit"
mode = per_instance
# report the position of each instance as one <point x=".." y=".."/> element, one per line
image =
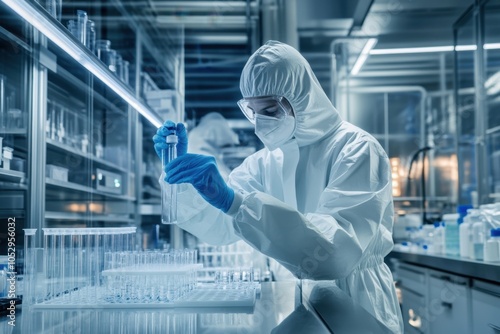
<point x="210" y="136"/>
<point x="317" y="198"/>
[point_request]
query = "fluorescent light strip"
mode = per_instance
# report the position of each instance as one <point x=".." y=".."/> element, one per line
<point x="363" y="56"/>
<point x="448" y="48"/>
<point x="41" y="23"/>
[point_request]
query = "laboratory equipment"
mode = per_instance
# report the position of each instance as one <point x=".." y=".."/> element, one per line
<point x="492" y="246"/>
<point x="105" y="54"/>
<point x="54" y="7"/>
<point x="119" y="66"/>
<point x="91" y="36"/>
<point x="168" y="191"/>
<point x="30" y="266"/>
<point x="3" y="107"/>
<point x="465" y="236"/>
<point x="108" y="181"/>
<point x="112" y="60"/>
<point x="452" y="245"/>
<point x="7" y="157"/>
<point x="85" y="143"/>
<point x="81" y="26"/>
<point x="4" y="265"/>
<point x="72" y="28"/>
<point x="56" y="173"/>
<point x="439" y="238"/>
<point x="126" y="66"/>
<point x="478" y="236"/>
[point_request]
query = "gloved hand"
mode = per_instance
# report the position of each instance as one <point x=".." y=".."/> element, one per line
<point x="201" y="171"/>
<point x="166" y="129"/>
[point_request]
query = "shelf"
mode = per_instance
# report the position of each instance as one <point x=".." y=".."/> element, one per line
<point x="11" y="175"/>
<point x="85" y="189"/>
<point x="83" y="216"/>
<point x="41" y="20"/>
<point x="418" y="198"/>
<point x="452" y="264"/>
<point x="12" y="132"/>
<point x="68" y="149"/>
<point x="61" y="71"/>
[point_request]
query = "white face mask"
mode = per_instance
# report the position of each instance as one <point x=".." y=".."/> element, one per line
<point x="274" y="132"/>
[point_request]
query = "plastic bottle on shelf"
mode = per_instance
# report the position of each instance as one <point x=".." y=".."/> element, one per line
<point x="492" y="246"/>
<point x="428" y="236"/>
<point x="463" y="210"/>
<point x="478" y="237"/>
<point x="438" y="240"/>
<point x="465" y="236"/>
<point x="452" y="246"/>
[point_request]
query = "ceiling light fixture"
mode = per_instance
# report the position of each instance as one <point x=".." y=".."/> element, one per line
<point x="363" y="56"/>
<point x="75" y="51"/>
<point x="430" y="49"/>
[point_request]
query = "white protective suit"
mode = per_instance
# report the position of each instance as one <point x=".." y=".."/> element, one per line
<point x="212" y="133"/>
<point x="321" y="205"/>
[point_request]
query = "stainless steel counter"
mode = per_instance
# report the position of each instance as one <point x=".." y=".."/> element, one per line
<point x="284" y="307"/>
<point x="455" y="265"/>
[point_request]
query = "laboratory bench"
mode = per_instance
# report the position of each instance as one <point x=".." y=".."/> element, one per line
<point x="453" y="264"/>
<point x="447" y="294"/>
<point x="281" y="307"/>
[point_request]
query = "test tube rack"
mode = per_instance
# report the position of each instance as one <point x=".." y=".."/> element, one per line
<point x="96" y="268"/>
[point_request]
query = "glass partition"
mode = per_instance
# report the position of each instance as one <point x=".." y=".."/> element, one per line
<point x="466" y="109"/>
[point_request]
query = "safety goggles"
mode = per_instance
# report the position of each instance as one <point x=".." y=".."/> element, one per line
<point x="270" y="106"/>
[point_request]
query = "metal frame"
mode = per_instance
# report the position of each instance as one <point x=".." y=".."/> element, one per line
<point x="476" y="14"/>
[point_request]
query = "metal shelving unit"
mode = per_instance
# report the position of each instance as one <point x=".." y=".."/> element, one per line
<point x="65" y="72"/>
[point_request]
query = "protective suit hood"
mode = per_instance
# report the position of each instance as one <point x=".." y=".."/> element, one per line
<point x="214" y="129"/>
<point x="278" y="69"/>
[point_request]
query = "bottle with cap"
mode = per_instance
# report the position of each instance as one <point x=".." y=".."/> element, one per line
<point x="438" y="240"/>
<point x="451" y="233"/>
<point x="478" y="236"/>
<point x="465" y="236"/>
<point x="492" y="246"/>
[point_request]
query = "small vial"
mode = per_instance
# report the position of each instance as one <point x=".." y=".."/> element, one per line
<point x="91" y="36"/>
<point x="81" y="26"/>
<point x="168" y="191"/>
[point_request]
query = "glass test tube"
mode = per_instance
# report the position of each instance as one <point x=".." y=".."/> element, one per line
<point x="3" y="110"/>
<point x="81" y="26"/>
<point x="91" y="36"/>
<point x="168" y="191"/>
<point x="29" y="274"/>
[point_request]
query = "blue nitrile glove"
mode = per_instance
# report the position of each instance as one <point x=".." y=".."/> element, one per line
<point x="201" y="171"/>
<point x="166" y="129"/>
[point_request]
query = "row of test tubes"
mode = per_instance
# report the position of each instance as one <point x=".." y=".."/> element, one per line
<point x="149" y="276"/>
<point x="84" y="30"/>
<point x="236" y="278"/>
<point x="101" y="321"/>
<point x="73" y="261"/>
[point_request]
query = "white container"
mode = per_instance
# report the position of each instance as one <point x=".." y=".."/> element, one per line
<point x="478" y="240"/>
<point x="465" y="237"/>
<point x="452" y="246"/>
<point x="438" y="240"/>
<point x="57" y="173"/>
<point x="492" y="246"/>
<point x="7" y="156"/>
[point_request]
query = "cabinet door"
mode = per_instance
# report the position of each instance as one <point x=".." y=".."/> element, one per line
<point x="485" y="312"/>
<point x="414" y="309"/>
<point x="448" y="305"/>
